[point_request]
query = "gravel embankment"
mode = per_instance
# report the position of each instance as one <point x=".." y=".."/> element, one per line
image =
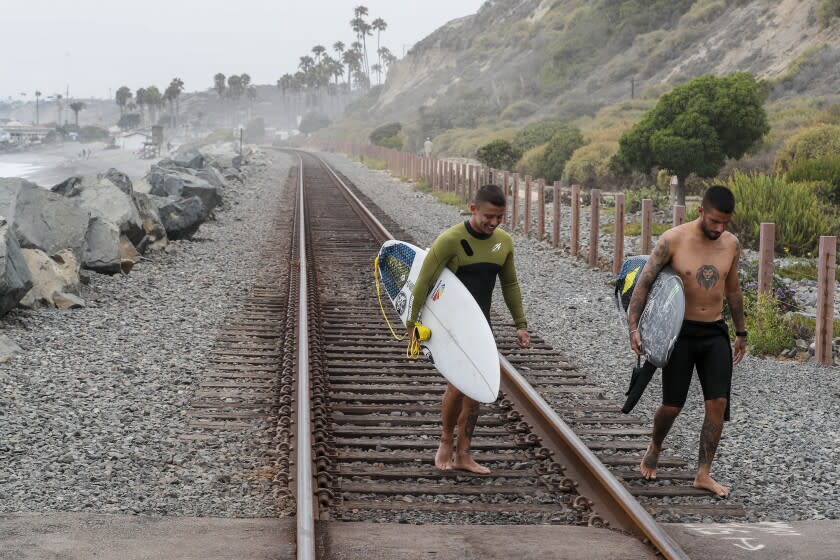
<point x="780" y="455"/>
<point x="92" y="413"/>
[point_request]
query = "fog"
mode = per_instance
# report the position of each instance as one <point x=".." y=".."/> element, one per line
<point x="89" y="48"/>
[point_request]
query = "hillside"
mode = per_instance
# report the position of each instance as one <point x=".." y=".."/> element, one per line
<point x="521" y="60"/>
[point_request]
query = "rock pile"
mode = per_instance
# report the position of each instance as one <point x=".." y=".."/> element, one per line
<point x="102" y="223"/>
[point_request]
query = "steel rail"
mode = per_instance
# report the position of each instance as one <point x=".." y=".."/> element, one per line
<point x="305" y="493"/>
<point x="612" y="500"/>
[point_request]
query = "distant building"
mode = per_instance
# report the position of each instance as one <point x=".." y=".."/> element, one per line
<point x="133" y="141"/>
<point x="18" y="133"/>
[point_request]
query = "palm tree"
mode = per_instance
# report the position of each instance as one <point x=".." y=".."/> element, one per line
<point x="379" y="25"/>
<point x="362" y="30"/>
<point x="77" y="106"/>
<point x="37" y="112"/>
<point x="58" y="99"/>
<point x="153" y="100"/>
<point x="171" y="94"/>
<point x="318" y="50"/>
<point x="219" y="84"/>
<point x="245" y="80"/>
<point x="140" y="99"/>
<point x="377" y="69"/>
<point x="338" y="47"/>
<point x="122" y="96"/>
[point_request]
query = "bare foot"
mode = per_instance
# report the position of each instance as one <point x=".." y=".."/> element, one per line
<point x="443" y="457"/>
<point x="649" y="462"/>
<point x="467" y="463"/>
<point x="706" y="482"/>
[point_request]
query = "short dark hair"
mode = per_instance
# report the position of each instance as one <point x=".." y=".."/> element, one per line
<point x="492" y="194"/>
<point x="719" y="198"/>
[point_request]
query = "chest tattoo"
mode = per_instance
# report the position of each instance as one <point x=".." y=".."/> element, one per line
<point x="707" y="276"/>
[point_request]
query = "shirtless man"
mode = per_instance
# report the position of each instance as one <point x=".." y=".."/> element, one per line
<point x="477" y="251"/>
<point x="706" y="257"/>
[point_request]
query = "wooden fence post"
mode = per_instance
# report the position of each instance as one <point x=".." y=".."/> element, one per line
<point x="618" y="253"/>
<point x="506" y="190"/>
<point x="541" y="212"/>
<point x="826" y="267"/>
<point x="526" y="229"/>
<point x="557" y="212"/>
<point x="575" y="233"/>
<point x="514" y="221"/>
<point x="766" y="244"/>
<point x="647" y="222"/>
<point x="594" y="225"/>
<point x="679" y="215"/>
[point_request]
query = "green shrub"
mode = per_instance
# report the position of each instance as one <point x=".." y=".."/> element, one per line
<point x="633" y="199"/>
<point x="423" y="185"/>
<point x="557" y="152"/>
<point x="92" y="134"/>
<point x="313" y="121"/>
<point x="803" y="271"/>
<point x="805" y="327"/>
<point x="499" y="154"/>
<point x="589" y="165"/>
<point x="387" y="135"/>
<point x="449" y="198"/>
<point x="826" y="170"/>
<point x="537" y="133"/>
<point x="769" y="332"/>
<point x="374" y="163"/>
<point x="519" y="110"/>
<point x="827" y="11"/>
<point x="793" y="207"/>
<point x="812" y="143"/>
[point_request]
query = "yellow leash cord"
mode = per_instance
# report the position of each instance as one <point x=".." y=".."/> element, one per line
<point x="412" y="352"/>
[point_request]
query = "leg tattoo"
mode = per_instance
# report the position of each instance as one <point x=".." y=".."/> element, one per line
<point x="709" y="439"/>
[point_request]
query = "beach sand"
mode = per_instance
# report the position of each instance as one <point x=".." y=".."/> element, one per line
<point x="50" y="165"/>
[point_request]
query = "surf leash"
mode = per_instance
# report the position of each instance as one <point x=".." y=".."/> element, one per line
<point x="421" y="332"/>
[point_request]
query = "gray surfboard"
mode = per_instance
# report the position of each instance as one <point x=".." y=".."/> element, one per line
<point x="661" y="321"/>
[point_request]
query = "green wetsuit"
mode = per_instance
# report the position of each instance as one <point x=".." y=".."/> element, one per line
<point x="476" y="259"/>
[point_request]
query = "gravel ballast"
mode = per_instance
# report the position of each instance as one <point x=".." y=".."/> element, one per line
<point x="92" y="412"/>
<point x="780" y="454"/>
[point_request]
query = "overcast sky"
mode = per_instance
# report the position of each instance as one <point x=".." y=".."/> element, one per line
<point x="94" y="45"/>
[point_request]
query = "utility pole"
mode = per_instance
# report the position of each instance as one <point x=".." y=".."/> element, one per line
<point x="633" y="88"/>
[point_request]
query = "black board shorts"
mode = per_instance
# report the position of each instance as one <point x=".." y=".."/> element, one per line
<point x="706" y="346"/>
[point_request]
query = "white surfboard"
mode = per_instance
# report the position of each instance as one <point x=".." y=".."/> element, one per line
<point x="462" y="346"/>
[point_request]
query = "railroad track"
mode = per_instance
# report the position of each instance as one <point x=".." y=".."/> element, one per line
<point x="361" y="424"/>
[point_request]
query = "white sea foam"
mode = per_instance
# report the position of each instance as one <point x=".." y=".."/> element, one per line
<point x="24" y="170"/>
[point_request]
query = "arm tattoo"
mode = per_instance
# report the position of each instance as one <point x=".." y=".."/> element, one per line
<point x="658" y="259"/>
<point x="709" y="439"/>
<point x="707" y="276"/>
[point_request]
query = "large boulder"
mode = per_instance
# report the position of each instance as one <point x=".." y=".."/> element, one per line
<point x="51" y="276"/>
<point x="102" y="251"/>
<point x="181" y="218"/>
<point x="119" y="179"/>
<point x="183" y="184"/>
<point x="153" y="226"/>
<point x="15" y="279"/>
<point x="128" y="255"/>
<point x="72" y="186"/>
<point x="192" y="159"/>
<point x="211" y="196"/>
<point x="106" y="200"/>
<point x="212" y="176"/>
<point x="42" y="219"/>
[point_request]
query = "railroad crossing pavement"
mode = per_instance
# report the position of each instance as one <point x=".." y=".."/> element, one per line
<point x="77" y="536"/>
<point x="814" y="540"/>
<point x="83" y="536"/>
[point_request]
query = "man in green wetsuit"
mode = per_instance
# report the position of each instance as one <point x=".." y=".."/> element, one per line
<point x="476" y="251"/>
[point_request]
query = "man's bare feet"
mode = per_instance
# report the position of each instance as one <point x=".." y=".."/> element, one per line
<point x="467" y="463"/>
<point x="706" y="482"/>
<point x="443" y="457"/>
<point x="649" y="462"/>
